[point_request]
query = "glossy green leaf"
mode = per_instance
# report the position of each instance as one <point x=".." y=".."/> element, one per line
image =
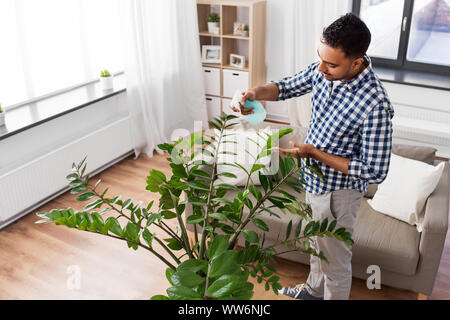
<point x="217" y="246"/>
<point x="260" y="224"/>
<point x="251" y="236"/>
<point x="223" y="286"/>
<point x="194" y="219"/>
<point x="85" y="196"/>
<point x="183" y="293"/>
<point x="225" y="263"/>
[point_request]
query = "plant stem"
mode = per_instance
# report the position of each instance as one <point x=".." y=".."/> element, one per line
<point x="140" y="245"/>
<point x="208" y="203"/>
<point x="257" y="205"/>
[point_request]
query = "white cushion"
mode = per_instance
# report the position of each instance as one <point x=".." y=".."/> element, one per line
<point x="403" y="194"/>
<point x="242" y="140"/>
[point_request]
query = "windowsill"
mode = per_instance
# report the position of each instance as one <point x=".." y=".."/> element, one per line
<point x="413" y="78"/>
<point x="30" y="115"/>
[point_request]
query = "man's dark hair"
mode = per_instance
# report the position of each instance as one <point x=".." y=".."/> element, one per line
<point x="350" y="34"/>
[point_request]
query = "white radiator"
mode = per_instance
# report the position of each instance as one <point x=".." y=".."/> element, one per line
<point x="22" y="188"/>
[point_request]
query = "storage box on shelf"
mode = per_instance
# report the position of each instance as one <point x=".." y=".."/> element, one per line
<point x="223" y="79"/>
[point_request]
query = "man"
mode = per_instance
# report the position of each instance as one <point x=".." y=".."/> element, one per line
<point x="349" y="137"/>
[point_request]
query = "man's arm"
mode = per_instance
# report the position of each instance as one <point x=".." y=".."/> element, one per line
<point x="336" y="162"/>
<point x="286" y="88"/>
<point x="308" y="150"/>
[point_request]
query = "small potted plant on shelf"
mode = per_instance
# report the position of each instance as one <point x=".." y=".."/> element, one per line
<point x="106" y="80"/>
<point x="213" y="22"/>
<point x="2" y="116"/>
<point x="245" y="33"/>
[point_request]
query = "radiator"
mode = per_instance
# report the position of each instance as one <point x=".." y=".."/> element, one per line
<point x="30" y="185"/>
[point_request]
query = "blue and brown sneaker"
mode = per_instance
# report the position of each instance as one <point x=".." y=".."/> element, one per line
<point x="299" y="292"/>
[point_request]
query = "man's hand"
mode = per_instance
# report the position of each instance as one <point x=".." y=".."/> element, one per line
<point x="303" y="150"/>
<point x="247" y="95"/>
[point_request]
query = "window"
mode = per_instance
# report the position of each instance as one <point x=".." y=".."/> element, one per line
<point x="50" y="45"/>
<point x="408" y="34"/>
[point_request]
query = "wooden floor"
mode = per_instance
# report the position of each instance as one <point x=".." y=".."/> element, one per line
<point x="37" y="261"/>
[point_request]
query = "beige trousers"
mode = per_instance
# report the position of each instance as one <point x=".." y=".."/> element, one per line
<point x="333" y="281"/>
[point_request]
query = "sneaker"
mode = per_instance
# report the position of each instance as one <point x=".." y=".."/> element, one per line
<point x="298" y="292"/>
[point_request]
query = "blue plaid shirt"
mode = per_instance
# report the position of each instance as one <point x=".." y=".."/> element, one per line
<point x="351" y="119"/>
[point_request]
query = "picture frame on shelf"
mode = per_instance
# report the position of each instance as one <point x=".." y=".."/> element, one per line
<point x="238" y="28"/>
<point x="211" y="54"/>
<point x="237" y="61"/>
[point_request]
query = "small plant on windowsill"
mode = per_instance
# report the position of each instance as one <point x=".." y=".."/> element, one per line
<point x="106" y="80"/>
<point x="211" y="267"/>
<point x="2" y="116"/>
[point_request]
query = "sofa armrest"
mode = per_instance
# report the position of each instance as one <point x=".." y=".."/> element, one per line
<point x="433" y="235"/>
<point x="437" y="205"/>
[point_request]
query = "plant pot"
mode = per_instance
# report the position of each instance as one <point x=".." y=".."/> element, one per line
<point x="2" y="119"/>
<point x="213" y="27"/>
<point x="106" y="83"/>
<point x="245" y="33"/>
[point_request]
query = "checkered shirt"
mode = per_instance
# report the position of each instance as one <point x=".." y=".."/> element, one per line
<point x="351" y="119"/>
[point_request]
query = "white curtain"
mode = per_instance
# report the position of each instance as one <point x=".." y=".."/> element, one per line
<point x="295" y="28"/>
<point x="49" y="45"/>
<point x="163" y="72"/>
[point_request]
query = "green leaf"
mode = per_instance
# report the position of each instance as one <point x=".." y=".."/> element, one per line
<point x="197" y="201"/>
<point x="85" y="196"/>
<point x="251" y="236"/>
<point x="332" y="225"/>
<point x="187" y="278"/>
<point x="288" y="229"/>
<point x="218" y="216"/>
<point x="193" y="265"/>
<point x="217" y="246"/>
<point x="227" y="229"/>
<point x="72" y="177"/>
<point x="183" y="293"/>
<point x="167" y="214"/>
<point x="226" y="263"/>
<point x="260" y="224"/>
<point x="95" y="204"/>
<point x="194" y="219"/>
<point x="132" y="231"/>
<point x="226" y="186"/>
<point x="263" y="180"/>
<point x="309" y="228"/>
<point x="148" y="237"/>
<point x="159" y="297"/>
<point x="227" y="174"/>
<point x="255" y="192"/>
<point x="223" y="286"/>
<point x="178" y="170"/>
<point x="198" y="185"/>
<point x="173" y="244"/>
<point x="127" y="203"/>
<point x="169" y="273"/>
<point x="75" y="183"/>
<point x="114" y="226"/>
<point x="299" y="228"/>
<point x="324" y="225"/>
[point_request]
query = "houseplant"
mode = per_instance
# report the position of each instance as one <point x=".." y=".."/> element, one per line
<point x="245" y="33"/>
<point x="212" y="267"/>
<point x="106" y="80"/>
<point x="2" y="116"/>
<point x="213" y="22"/>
